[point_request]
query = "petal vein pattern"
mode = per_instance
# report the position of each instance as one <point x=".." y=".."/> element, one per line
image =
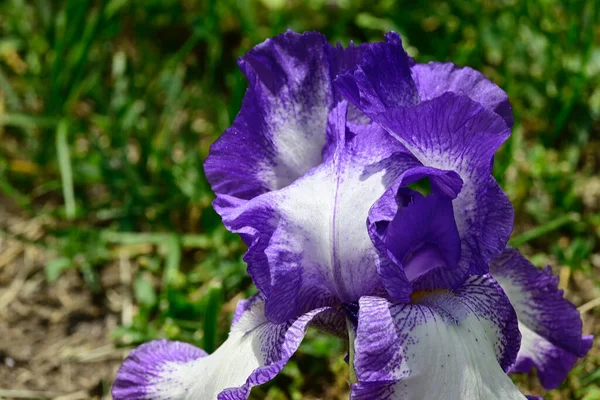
<point x="451" y="128"/>
<point x="434" y="79"/>
<point x="455" y="133"/>
<point x="446" y="345"/>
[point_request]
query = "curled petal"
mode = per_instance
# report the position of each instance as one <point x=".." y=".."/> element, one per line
<point x="280" y="131"/>
<point x="453" y="127"/>
<point x="551" y="326"/>
<point x="435" y="78"/>
<point x="455" y="133"/>
<point x="254" y="353"/>
<point x="446" y="345"/>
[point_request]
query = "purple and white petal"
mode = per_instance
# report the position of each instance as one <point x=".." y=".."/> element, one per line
<point x="551" y="326"/>
<point x="311" y="247"/>
<point x="453" y="132"/>
<point x="142" y="374"/>
<point x="449" y="131"/>
<point x="446" y="345"/>
<point x="244" y="305"/>
<point x="254" y="353"/>
<point x="435" y="78"/>
<point x="382" y="79"/>
<point x="280" y="131"/>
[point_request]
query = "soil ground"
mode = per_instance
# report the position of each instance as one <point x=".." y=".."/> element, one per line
<point x="55" y="337"/>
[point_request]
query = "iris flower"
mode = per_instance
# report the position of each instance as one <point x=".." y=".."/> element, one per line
<point x="316" y="174"/>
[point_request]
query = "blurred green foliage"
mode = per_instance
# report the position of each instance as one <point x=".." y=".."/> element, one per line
<point x="108" y="108"/>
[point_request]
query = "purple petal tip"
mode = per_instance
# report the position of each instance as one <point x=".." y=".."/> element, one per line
<point x="144" y="365"/>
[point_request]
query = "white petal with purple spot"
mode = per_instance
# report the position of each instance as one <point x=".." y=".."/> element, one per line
<point x="445" y="345"/>
<point x="254" y="353"/>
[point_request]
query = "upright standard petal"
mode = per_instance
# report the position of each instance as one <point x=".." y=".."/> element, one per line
<point x="310" y="244"/>
<point x="551" y="326"/>
<point x="386" y="78"/>
<point x="435" y="78"/>
<point x="457" y="129"/>
<point x="279" y="133"/>
<point x="453" y="132"/>
<point x="446" y="345"/>
<point x="254" y="353"/>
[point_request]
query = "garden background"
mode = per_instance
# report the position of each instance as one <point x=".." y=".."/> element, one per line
<point x="107" y="112"/>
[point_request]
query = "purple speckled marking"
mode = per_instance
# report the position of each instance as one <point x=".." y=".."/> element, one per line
<point x="254" y="353"/>
<point x="279" y="343"/>
<point x="397" y="352"/>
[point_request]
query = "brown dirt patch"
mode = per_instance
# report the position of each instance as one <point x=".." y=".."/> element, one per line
<point x="55" y="337"/>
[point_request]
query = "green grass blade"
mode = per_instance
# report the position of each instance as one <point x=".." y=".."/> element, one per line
<point x="213" y="307"/>
<point x="187" y="241"/>
<point x="173" y="259"/>
<point x="543" y="229"/>
<point x="90" y="35"/>
<point x="11" y="97"/>
<point x="8" y="189"/>
<point x="64" y="165"/>
<point x="27" y="121"/>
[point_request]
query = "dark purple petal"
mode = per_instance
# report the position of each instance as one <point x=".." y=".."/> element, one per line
<point x="382" y="80"/>
<point x="449" y="131"/>
<point x="435" y="78"/>
<point x="424" y="239"/>
<point x="551" y="326"/>
<point x="254" y="353"/>
<point x="447" y="345"/>
<point x="391" y="273"/>
<point x="425" y="219"/>
<point x="455" y="133"/>
<point x="309" y="245"/>
<point x="385" y="77"/>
